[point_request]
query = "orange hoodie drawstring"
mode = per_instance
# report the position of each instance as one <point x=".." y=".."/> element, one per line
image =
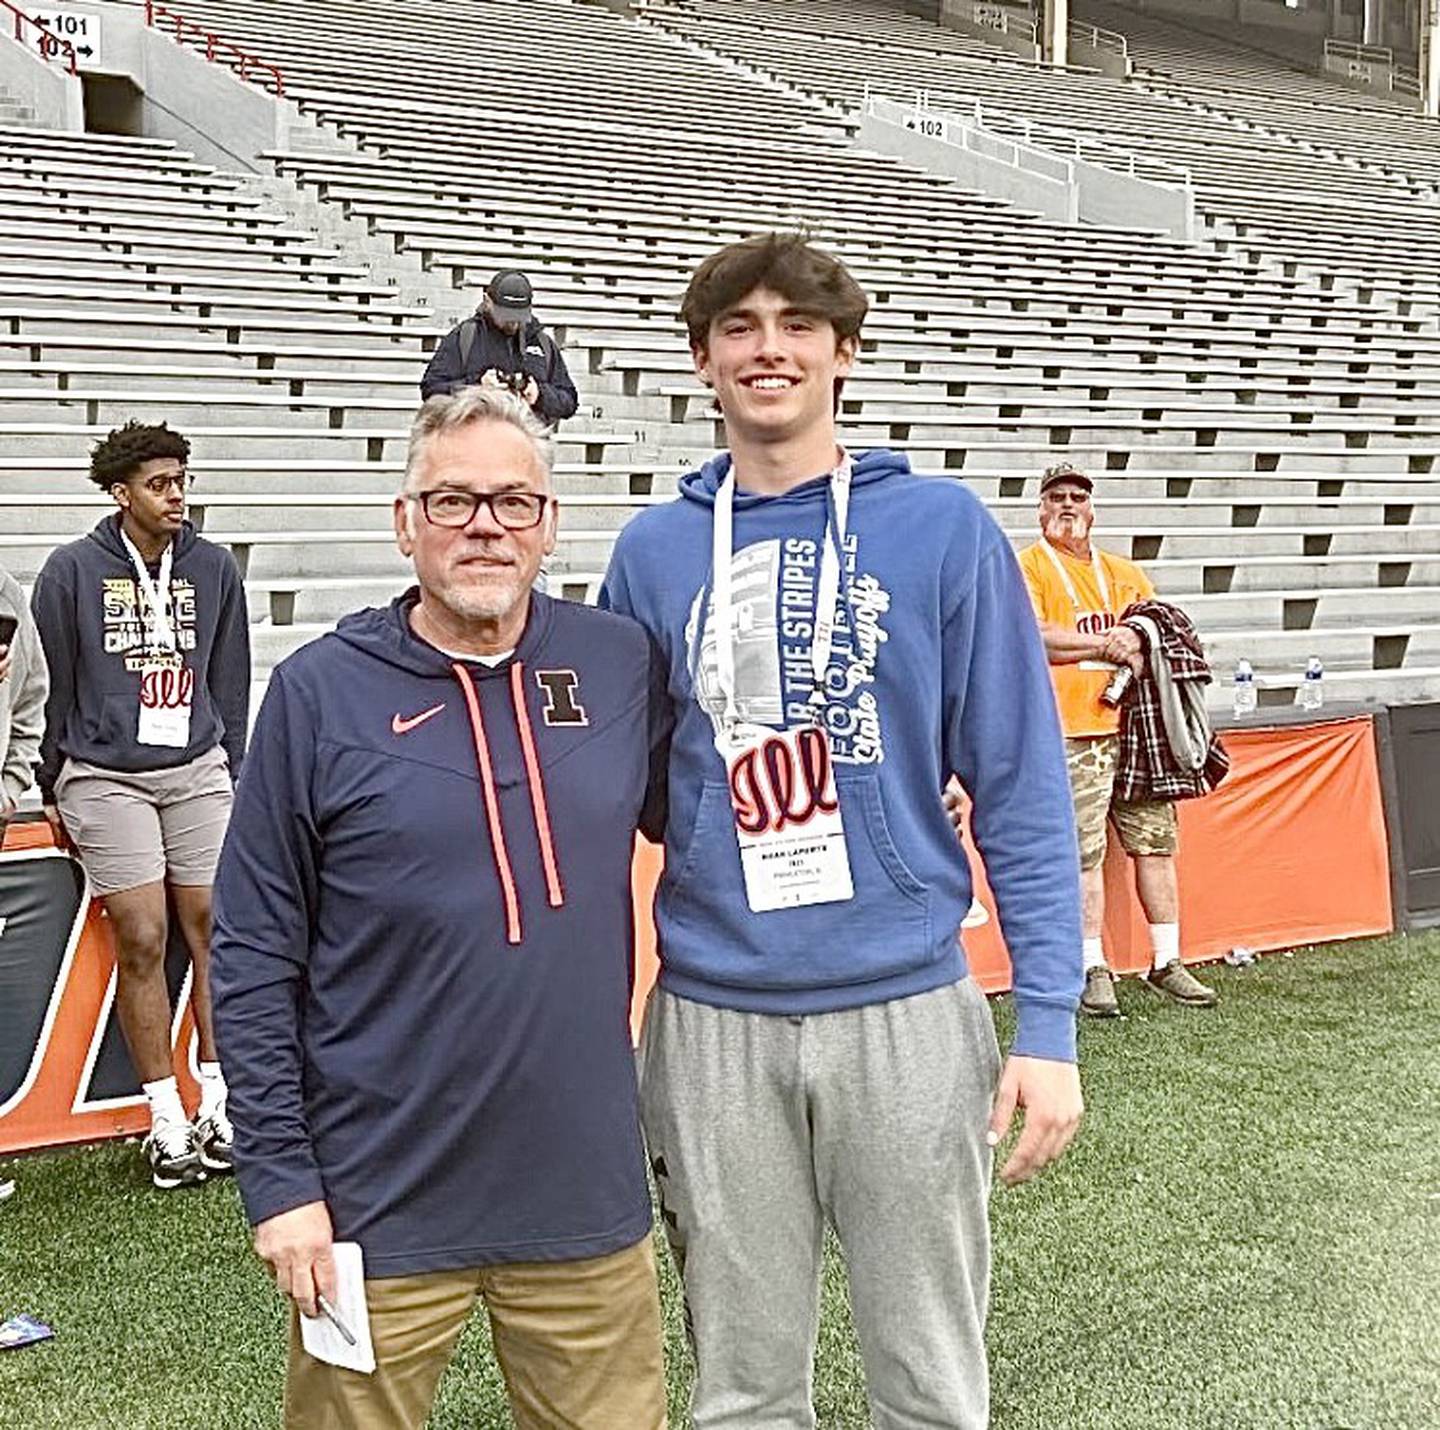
<point x="537" y="787"/>
<point x="536" y="782"/>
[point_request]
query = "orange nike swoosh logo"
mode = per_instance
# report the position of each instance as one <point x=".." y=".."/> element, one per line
<point x="399" y="725"/>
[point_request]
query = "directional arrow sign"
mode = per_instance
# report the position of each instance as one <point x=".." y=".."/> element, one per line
<point x="80" y="27"/>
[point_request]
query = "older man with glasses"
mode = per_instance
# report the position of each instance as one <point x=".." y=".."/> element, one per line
<point x="146" y="636"/>
<point x="1080" y="593"/>
<point x="423" y="960"/>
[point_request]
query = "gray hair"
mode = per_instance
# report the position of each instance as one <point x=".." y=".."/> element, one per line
<point x="449" y="413"/>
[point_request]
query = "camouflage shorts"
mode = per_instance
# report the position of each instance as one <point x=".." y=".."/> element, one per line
<point x="1143" y="827"/>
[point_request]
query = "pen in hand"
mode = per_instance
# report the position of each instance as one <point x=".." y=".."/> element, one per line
<point x="333" y="1316"/>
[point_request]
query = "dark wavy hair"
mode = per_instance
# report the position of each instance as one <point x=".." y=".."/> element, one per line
<point x="122" y="452"/>
<point x="787" y="264"/>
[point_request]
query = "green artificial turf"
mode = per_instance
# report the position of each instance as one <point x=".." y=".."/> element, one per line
<point x="1246" y="1235"/>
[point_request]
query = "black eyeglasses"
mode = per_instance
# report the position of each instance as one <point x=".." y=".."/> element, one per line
<point x="515" y="511"/>
<point x="162" y="484"/>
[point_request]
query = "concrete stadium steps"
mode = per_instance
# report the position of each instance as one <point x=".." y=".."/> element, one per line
<point x="288" y="600"/>
<point x="1259" y="423"/>
<point x="1264" y="90"/>
<point x="832" y="47"/>
<point x="265" y="440"/>
<point x="383" y="361"/>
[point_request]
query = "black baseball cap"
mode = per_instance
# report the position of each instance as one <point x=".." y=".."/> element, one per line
<point x="510" y="295"/>
<point x="1064" y="472"/>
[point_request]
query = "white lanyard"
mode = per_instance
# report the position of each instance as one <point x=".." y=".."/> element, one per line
<point x="154" y="594"/>
<point x="1070" y="590"/>
<point x="827" y="589"/>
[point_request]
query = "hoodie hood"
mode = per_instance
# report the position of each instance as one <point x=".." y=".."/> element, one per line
<point x="870" y="467"/>
<point x="106" y="534"/>
<point x="384" y="632"/>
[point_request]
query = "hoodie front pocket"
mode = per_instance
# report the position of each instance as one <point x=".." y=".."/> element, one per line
<point x="714" y="820"/>
<point x="866" y="788"/>
<point x="708" y="932"/>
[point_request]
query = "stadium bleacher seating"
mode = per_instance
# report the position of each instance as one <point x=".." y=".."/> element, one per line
<point x="1257" y="405"/>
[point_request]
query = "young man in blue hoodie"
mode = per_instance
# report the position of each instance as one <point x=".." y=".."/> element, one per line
<point x="842" y="637"/>
<point x="423" y="947"/>
<point x="147" y="638"/>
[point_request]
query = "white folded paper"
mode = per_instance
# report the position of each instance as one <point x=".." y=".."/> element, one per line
<point x="321" y="1338"/>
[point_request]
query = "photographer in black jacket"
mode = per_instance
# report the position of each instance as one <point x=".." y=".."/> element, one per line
<point x="503" y="345"/>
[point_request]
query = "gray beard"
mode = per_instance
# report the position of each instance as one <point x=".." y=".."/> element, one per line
<point x="483" y="605"/>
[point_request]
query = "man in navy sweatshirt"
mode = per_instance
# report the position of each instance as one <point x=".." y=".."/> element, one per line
<point x="147" y="639"/>
<point x="842" y="637"/>
<point x="423" y="954"/>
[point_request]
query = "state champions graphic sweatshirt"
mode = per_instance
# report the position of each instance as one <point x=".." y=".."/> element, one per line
<point x="937" y="667"/>
<point x="422" y="959"/>
<point x="90" y="622"/>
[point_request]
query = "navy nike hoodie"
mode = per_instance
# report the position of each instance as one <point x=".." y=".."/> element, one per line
<point x="422" y="958"/>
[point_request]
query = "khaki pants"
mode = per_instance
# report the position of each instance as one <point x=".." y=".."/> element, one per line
<point x="578" y="1343"/>
<point x="132" y="829"/>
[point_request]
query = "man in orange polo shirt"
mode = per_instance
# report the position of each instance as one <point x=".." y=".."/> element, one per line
<point x="1079" y="593"/>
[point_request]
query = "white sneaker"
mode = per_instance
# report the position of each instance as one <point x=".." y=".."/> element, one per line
<point x="216" y="1139"/>
<point x="173" y="1151"/>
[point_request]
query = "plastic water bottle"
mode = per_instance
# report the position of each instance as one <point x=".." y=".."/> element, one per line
<point x="1312" y="690"/>
<point x="1245" y="696"/>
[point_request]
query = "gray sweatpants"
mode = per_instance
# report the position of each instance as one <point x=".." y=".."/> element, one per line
<point x="763" y="1128"/>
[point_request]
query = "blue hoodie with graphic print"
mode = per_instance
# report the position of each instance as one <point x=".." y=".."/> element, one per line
<point x="937" y="668"/>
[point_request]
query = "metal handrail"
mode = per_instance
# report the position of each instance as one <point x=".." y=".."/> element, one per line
<point x="50" y="45"/>
<point x="1053" y="139"/>
<point x="1346" y="50"/>
<point x="1099" y="39"/>
<point x="1361" y="57"/>
<point x="215" y="45"/>
<point x="937" y="124"/>
<point x="1043" y="145"/>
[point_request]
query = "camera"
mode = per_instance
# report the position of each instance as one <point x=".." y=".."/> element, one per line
<point x="515" y="382"/>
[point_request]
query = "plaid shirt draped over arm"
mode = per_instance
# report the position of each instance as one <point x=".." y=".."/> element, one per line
<point x="1148" y="766"/>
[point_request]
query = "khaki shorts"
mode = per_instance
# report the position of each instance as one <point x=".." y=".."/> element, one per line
<point x="134" y="829"/>
<point x="578" y="1343"/>
<point x="1144" y="827"/>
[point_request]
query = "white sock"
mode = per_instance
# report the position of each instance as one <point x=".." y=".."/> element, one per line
<point x="212" y="1091"/>
<point x="164" y="1099"/>
<point x="1094" y="953"/>
<point x="1164" y="944"/>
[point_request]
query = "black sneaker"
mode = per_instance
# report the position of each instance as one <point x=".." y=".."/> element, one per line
<point x="216" y="1139"/>
<point x="173" y="1152"/>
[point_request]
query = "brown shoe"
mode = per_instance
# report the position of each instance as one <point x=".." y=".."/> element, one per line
<point x="1098" y="999"/>
<point x="1181" y="985"/>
